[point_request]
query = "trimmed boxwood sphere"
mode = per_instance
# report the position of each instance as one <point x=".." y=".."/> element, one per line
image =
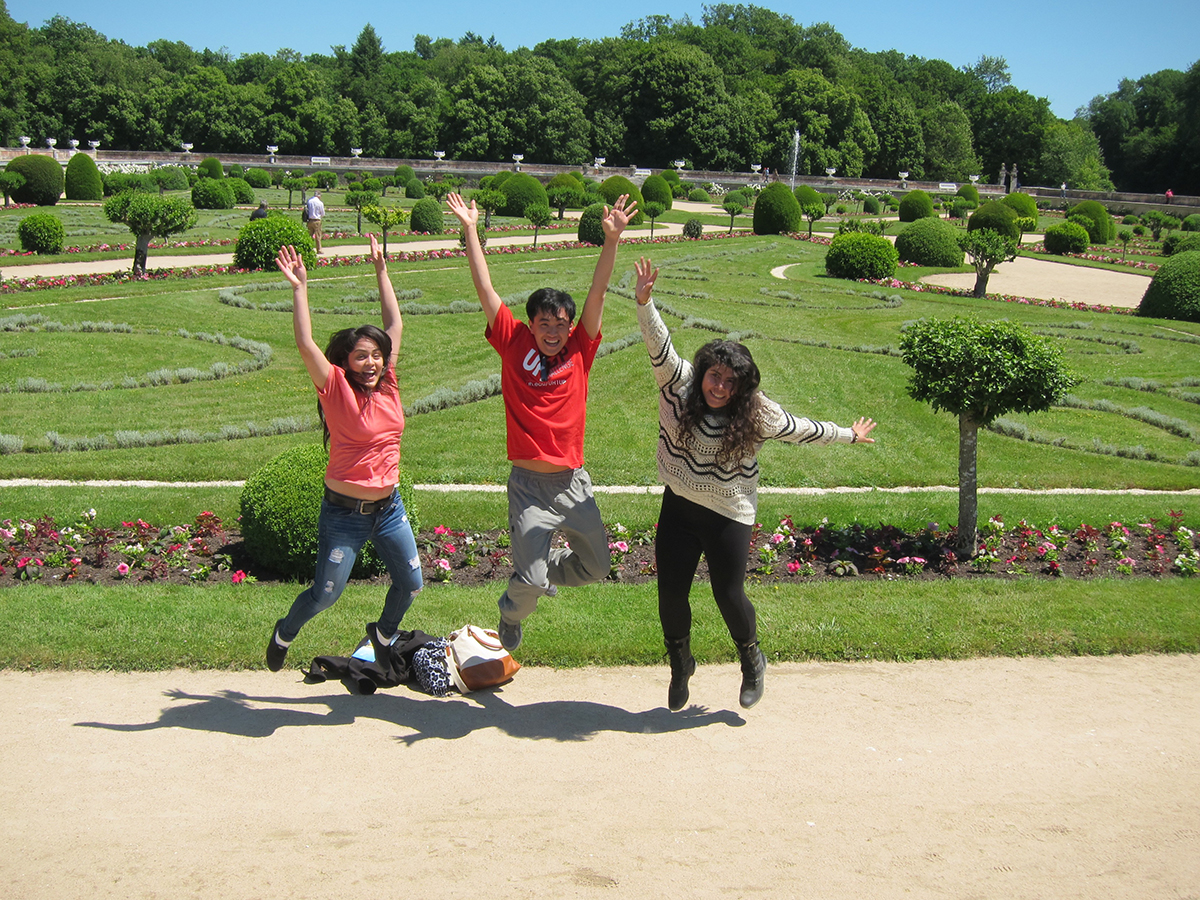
<point x="693" y="229"/>
<point x="522" y="191"/>
<point x="806" y="193"/>
<point x="1104" y="229"/>
<point x="258" y="242"/>
<point x="1066" y="237"/>
<point x="591" y="231"/>
<point x="280" y="505"/>
<point x="1174" y="291"/>
<point x="776" y="210"/>
<point x="82" y="179"/>
<point x="1191" y="223"/>
<point x="414" y="189"/>
<point x="210" y="168"/>
<point x="242" y="192"/>
<point x="969" y="192"/>
<point x="656" y="190"/>
<point x="43" y="179"/>
<point x="856" y="254"/>
<point x="427" y="217"/>
<point x="930" y="242"/>
<point x="916" y="205"/>
<point x="1179" y="242"/>
<point x="41" y="233"/>
<point x="996" y="216"/>
<point x="1021" y="204"/>
<point x="258" y="178"/>
<point x="209" y="193"/>
<point x="614" y="186"/>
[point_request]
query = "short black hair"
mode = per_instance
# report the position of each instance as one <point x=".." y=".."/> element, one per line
<point x="550" y="301"/>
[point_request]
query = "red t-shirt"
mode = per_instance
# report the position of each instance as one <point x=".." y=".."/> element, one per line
<point x="364" y="431"/>
<point x="545" y="418"/>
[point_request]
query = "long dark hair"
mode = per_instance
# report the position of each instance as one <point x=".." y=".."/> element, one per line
<point x="338" y="351"/>
<point x="741" y="433"/>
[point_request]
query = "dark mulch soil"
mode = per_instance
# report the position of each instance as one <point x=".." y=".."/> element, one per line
<point x="208" y="552"/>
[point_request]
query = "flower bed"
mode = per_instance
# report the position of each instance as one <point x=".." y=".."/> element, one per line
<point x="205" y="550"/>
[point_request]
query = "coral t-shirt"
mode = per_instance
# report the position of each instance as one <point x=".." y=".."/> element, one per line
<point x="545" y="405"/>
<point x="364" y="430"/>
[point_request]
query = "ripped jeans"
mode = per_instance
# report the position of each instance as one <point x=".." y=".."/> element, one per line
<point x="342" y="533"/>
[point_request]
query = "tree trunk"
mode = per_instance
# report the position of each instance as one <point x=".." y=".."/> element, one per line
<point x="968" y="500"/>
<point x="981" y="280"/>
<point x="140" y="251"/>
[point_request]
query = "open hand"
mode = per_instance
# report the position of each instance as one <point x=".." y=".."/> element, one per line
<point x="862" y="428"/>
<point x="291" y="264"/>
<point x="646" y="276"/>
<point x="616" y="219"/>
<point x="468" y="215"/>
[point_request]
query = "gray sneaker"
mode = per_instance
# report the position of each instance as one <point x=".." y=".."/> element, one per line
<point x="510" y="634"/>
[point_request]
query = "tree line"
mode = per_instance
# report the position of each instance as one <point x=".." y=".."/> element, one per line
<point x="724" y="93"/>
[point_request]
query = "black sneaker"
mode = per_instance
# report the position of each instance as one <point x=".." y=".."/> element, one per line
<point x="276" y="652"/>
<point x="383" y="649"/>
<point x="510" y="634"/>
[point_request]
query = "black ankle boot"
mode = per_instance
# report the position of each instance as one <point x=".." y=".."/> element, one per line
<point x="683" y="664"/>
<point x="754" y="668"/>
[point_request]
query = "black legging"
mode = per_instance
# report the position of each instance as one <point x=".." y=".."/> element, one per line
<point x="685" y="530"/>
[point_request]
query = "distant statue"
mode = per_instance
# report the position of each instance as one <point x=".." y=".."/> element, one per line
<point x="1003" y="182"/>
<point x="1016" y="182"/>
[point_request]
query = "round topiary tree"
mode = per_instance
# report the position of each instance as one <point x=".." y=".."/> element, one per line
<point x="1191" y="223"/>
<point x="1021" y="204"/>
<point x="522" y="191"/>
<point x="857" y="254"/>
<point x="916" y="205"/>
<point x="670" y="176"/>
<point x="698" y="195"/>
<point x="41" y="233"/>
<point x="656" y="190"/>
<point x="147" y="216"/>
<point x="242" y="192"/>
<point x="591" y="231"/>
<point x="258" y="178"/>
<point x="414" y="189"/>
<point x="258" y="242"/>
<point x="693" y="229"/>
<point x="1179" y="242"/>
<point x="1174" y="291"/>
<point x="43" y="179"/>
<point x="806" y="193"/>
<point x="209" y="193"/>
<point x="280" y="504"/>
<point x="427" y="217"/>
<point x="776" y="211"/>
<point x="1066" y="237"/>
<point x="404" y="174"/>
<point x="210" y="168"/>
<point x="1104" y="229"/>
<point x="969" y="192"/>
<point x="930" y="242"/>
<point x="614" y="186"/>
<point x="871" y="205"/>
<point x="996" y="217"/>
<point x="82" y="179"/>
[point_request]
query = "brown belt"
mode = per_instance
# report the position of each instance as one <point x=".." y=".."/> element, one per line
<point x="363" y="507"/>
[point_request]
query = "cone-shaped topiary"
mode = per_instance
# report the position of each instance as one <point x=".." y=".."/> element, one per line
<point x="997" y="217"/>
<point x="522" y="191"/>
<point x="1066" y="237"/>
<point x="1104" y="228"/>
<point x="656" y="190"/>
<point x="916" y="205"/>
<point x="930" y="242"/>
<point x="280" y="504"/>
<point x="857" y="254"/>
<point x="258" y="242"/>
<point x="43" y="179"/>
<point x="82" y="179"/>
<point x="427" y="217"/>
<point x="776" y="211"/>
<point x="1021" y="204"/>
<point x="1174" y="291"/>
<point x="614" y="186"/>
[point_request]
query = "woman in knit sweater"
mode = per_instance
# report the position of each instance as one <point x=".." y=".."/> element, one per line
<point x="712" y="420"/>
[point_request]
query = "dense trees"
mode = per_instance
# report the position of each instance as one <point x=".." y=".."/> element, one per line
<point x="724" y="92"/>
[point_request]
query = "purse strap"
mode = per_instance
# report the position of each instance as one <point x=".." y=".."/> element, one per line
<point x="488" y="639"/>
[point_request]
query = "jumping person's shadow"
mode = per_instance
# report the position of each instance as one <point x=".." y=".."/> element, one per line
<point x="233" y="712"/>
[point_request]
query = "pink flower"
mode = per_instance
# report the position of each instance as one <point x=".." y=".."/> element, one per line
<point x="793" y="567"/>
<point x="620" y="546"/>
<point x="441" y="529"/>
<point x="123" y="569"/>
<point x="443" y="564"/>
<point x="238" y="577"/>
<point x="777" y="538"/>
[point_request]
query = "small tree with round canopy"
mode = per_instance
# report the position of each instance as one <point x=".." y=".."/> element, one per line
<point x="148" y="216"/>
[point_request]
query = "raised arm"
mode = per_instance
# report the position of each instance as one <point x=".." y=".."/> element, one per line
<point x="469" y="217"/>
<point x="388" y="307"/>
<point x="292" y="266"/>
<point x="670" y="371"/>
<point x="614" y="222"/>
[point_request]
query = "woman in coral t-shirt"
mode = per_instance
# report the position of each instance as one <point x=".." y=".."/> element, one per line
<point x="359" y="403"/>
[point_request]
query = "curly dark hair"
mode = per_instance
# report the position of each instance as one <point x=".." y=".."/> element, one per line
<point x="338" y="350"/>
<point x="741" y="433"/>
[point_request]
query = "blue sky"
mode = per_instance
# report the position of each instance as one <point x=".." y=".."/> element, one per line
<point x="1066" y="50"/>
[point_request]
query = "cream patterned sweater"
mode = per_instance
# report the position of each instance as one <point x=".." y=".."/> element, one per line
<point x="691" y="470"/>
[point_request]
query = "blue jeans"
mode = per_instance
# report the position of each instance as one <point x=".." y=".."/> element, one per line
<point x="342" y="533"/>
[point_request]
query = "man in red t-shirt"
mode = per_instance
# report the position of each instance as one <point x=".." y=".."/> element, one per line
<point x="544" y="381"/>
